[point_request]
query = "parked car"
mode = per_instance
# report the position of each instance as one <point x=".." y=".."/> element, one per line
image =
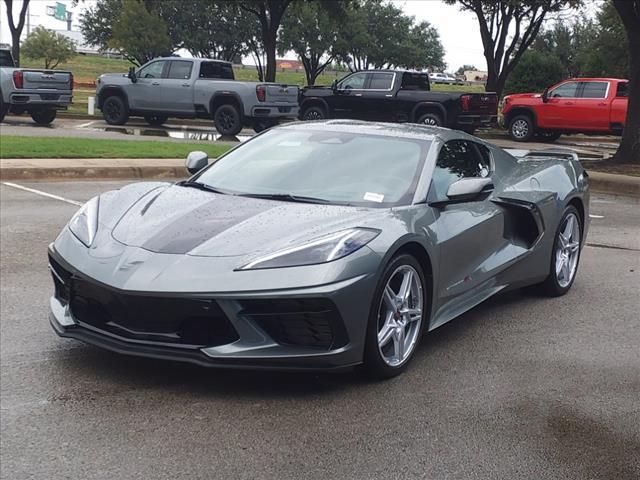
<point x="577" y="105"/>
<point x="443" y="78"/>
<point x="317" y="245"/>
<point x="41" y="93"/>
<point x="194" y="88"/>
<point x="397" y="96"/>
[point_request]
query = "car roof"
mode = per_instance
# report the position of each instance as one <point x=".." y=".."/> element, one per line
<point x="194" y="59"/>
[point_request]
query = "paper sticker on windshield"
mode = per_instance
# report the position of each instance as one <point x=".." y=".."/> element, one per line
<point x="374" y="197"/>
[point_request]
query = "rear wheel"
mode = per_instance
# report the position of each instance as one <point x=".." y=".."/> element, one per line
<point x="115" y="111"/>
<point x="431" y="118"/>
<point x="396" y="319"/>
<point x="43" y="117"/>
<point x="155" y="120"/>
<point x="227" y="120"/>
<point x="313" y="113"/>
<point x="3" y="109"/>
<point x="521" y="128"/>
<point x="565" y="255"/>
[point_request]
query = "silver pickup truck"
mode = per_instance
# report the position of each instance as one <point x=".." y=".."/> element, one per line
<point x="194" y="88"/>
<point x="41" y="93"/>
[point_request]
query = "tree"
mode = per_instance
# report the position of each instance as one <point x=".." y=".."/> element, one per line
<point x="16" y="29"/>
<point x="465" y="68"/>
<point x="606" y="53"/>
<point x="629" y="149"/>
<point x="535" y="72"/>
<point x="421" y="49"/>
<point x="312" y="35"/>
<point x="139" y="34"/>
<point x="48" y="45"/>
<point x="508" y="28"/>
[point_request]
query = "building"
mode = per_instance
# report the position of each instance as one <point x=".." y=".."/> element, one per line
<point x="475" y="76"/>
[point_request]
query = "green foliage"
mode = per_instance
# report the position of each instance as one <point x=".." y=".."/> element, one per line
<point x="138" y="34"/>
<point x="535" y="72"/>
<point x="49" y="46"/>
<point x="464" y="68"/>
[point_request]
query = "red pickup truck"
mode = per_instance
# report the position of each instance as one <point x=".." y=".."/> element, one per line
<point x="577" y="105"/>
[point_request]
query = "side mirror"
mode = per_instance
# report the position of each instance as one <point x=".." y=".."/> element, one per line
<point x="545" y="95"/>
<point x="132" y="75"/>
<point x="196" y="161"/>
<point x="465" y="190"/>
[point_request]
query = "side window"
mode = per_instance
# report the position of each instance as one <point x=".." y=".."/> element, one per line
<point x="153" y="70"/>
<point x="594" y="89"/>
<point x="623" y="89"/>
<point x="415" y="81"/>
<point x="459" y="159"/>
<point x="218" y="70"/>
<point x="381" y="81"/>
<point x="355" y="81"/>
<point x="180" y="70"/>
<point x="568" y="89"/>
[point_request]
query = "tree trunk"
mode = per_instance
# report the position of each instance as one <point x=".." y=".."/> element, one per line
<point x="16" y="30"/>
<point x="15" y="46"/>
<point x="629" y="149"/>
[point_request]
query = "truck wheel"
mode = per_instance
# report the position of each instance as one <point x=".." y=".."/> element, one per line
<point x="521" y="128"/>
<point x="549" y="136"/>
<point x="432" y="119"/>
<point x="227" y="120"/>
<point x="43" y="117"/>
<point x="262" y="125"/>
<point x="114" y="111"/>
<point x="313" y="113"/>
<point x="3" y="109"/>
<point x="155" y="120"/>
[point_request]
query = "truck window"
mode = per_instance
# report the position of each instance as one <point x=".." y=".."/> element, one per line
<point x="153" y="70"/>
<point x="594" y="89"/>
<point x="6" y="60"/>
<point x="355" y="81"/>
<point x="381" y="81"/>
<point x="415" y="81"/>
<point x="217" y="70"/>
<point x="623" y="89"/>
<point x="565" y="90"/>
<point x="180" y="70"/>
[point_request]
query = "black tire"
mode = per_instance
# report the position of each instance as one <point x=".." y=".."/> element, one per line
<point x="551" y="285"/>
<point x="549" y="135"/>
<point x="314" y="112"/>
<point x="469" y="130"/>
<point x="43" y="117"/>
<point x="431" y="119"/>
<point x="3" y="108"/>
<point x="155" y="120"/>
<point x="115" y="110"/>
<point x="262" y="125"/>
<point x="374" y="364"/>
<point x="227" y="120"/>
<point x="521" y="128"/>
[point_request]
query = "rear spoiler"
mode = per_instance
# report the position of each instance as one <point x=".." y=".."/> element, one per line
<point x="545" y="154"/>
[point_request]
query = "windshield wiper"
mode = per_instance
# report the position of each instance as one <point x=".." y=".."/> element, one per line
<point x="286" y="197"/>
<point x="200" y="186"/>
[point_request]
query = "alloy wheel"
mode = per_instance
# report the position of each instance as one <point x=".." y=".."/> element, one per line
<point x="520" y="128"/>
<point x="567" y="250"/>
<point x="400" y="316"/>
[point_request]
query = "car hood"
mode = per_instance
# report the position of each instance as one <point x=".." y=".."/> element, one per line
<point x="181" y="220"/>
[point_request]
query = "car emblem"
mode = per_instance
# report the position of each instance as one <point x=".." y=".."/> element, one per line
<point x="47" y="76"/>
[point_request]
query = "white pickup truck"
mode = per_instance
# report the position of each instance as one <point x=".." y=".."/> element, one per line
<point x="41" y="93"/>
<point x="194" y="88"/>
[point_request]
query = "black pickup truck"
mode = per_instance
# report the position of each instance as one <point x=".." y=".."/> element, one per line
<point x="397" y="96"/>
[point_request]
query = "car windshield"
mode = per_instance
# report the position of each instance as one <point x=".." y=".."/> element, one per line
<point x="322" y="166"/>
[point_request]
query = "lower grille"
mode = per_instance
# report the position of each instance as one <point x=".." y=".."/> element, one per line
<point x="187" y="322"/>
<point x="306" y="322"/>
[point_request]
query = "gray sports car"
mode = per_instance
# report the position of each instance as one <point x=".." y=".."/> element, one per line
<point x="317" y="245"/>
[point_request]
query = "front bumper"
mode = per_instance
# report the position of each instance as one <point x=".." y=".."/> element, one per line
<point x="28" y="98"/>
<point x="257" y="343"/>
<point x="476" y="120"/>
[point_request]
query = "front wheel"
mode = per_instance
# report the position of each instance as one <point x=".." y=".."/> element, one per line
<point x="115" y="111"/>
<point x="565" y="255"/>
<point x="432" y="119"/>
<point x="397" y="317"/>
<point x="43" y="117"/>
<point x="313" y="113"/>
<point x="227" y="120"/>
<point x="521" y="128"/>
<point x="155" y="120"/>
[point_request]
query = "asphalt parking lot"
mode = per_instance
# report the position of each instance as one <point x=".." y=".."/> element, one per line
<point x="522" y="387"/>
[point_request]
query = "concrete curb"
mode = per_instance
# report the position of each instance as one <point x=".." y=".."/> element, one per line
<point x="600" y="182"/>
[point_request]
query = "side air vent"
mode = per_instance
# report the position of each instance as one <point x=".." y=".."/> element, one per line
<point x="522" y="222"/>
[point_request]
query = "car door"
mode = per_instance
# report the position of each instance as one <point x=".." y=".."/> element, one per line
<point x="592" y="107"/>
<point x="344" y="102"/>
<point x="146" y="92"/>
<point x="559" y="111"/>
<point x="177" y="89"/>
<point x="376" y="100"/>
<point x="469" y="233"/>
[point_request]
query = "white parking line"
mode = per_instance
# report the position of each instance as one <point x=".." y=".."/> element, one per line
<point x="85" y="125"/>
<point x="41" y="193"/>
<point x="595" y="216"/>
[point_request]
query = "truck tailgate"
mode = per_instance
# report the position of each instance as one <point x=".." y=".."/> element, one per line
<point x="46" y="79"/>
<point x="282" y="93"/>
<point x="480" y="103"/>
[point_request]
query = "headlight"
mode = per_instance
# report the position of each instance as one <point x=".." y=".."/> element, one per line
<point x="321" y="250"/>
<point x="84" y="224"/>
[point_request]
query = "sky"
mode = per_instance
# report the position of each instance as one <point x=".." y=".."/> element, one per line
<point x="459" y="32"/>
